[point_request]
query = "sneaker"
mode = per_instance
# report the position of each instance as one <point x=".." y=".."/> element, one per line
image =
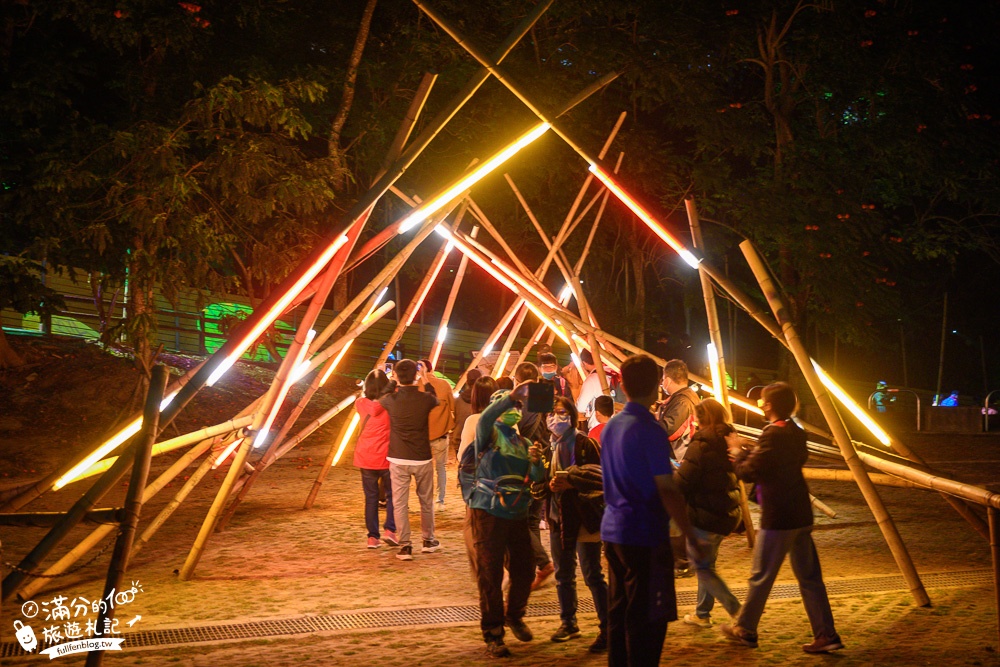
<point x="698" y="621"/>
<point x="430" y="546"/>
<point x="739" y="635"/>
<point x="405" y="553"/>
<point x="382" y="504"/>
<point x="565" y="633"/>
<point x="520" y="630"/>
<point x="542" y="575"/>
<point x="683" y="573"/>
<point x="600" y="644"/>
<point x="390" y="538"/>
<point x="824" y="645"/>
<point x="495" y="648"/>
<point x="373" y="543"/>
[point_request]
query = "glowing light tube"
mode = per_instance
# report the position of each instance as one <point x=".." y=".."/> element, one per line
<point x="226" y="452"/>
<point x="434" y="204"/>
<point x="853" y="407"/>
<point x="713" y="364"/>
<point x="643" y="215"/>
<point x="282" y="392"/>
<point x="277" y="309"/>
<point x="347" y="438"/>
<point x="501" y="365"/>
<point x="430" y="283"/>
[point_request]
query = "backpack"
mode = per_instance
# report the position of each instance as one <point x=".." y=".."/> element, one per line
<point x="475" y="472"/>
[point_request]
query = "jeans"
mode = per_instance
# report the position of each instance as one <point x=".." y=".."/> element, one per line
<point x="424" y="477"/>
<point x="534" y="517"/>
<point x="711" y="587"/>
<point x="369" y="482"/>
<point x="590" y="565"/>
<point x="494" y="540"/>
<point x="439" y="452"/>
<point x="768" y="555"/>
<point x="641" y="601"/>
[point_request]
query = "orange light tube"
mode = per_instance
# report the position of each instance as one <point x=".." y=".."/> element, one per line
<point x="644" y="215"/>
<point x="430" y="283"/>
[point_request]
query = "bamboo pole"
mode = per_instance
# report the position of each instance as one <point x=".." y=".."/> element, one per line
<point x="822" y="507"/>
<point x="715" y="332"/>
<point x="327" y="464"/>
<point x="969" y="492"/>
<point x="823" y="398"/>
<point x="449" y="305"/>
<point x="133" y="501"/>
<point x="994" y="520"/>
<point x="840" y="475"/>
<point x="98" y="534"/>
<point x="49" y="519"/>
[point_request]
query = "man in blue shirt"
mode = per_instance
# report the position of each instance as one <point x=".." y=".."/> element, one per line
<point x="640" y="498"/>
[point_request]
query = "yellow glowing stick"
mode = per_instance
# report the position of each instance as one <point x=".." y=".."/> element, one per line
<point x="643" y="215"/>
<point x="347" y="438"/>
<point x="498" y="369"/>
<point x="713" y="363"/>
<point x="434" y="204"/>
<point x="282" y="392"/>
<point x="226" y="452"/>
<point x="853" y="407"/>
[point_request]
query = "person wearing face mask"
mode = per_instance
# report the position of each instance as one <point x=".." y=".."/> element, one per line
<point x="576" y="505"/>
<point x="499" y="499"/>
<point x="548" y="366"/>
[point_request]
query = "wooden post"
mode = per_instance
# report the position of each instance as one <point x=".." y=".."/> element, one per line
<point x="133" y="502"/>
<point x="994" y="521"/>
<point x="843" y="440"/>
<point x="712" y="314"/>
<point x="327" y="464"/>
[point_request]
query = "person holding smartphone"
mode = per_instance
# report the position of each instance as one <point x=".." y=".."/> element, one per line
<point x="576" y="505"/>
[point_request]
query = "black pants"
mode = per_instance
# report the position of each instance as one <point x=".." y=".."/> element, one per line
<point x="534" y="518"/>
<point x="496" y="539"/>
<point x="641" y="602"/>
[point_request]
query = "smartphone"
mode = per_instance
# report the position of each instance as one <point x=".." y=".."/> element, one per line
<point x="388" y="368"/>
<point x="541" y="397"/>
<point x="562" y="473"/>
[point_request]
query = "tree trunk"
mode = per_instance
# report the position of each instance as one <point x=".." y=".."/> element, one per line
<point x="347" y="100"/>
<point x="8" y="357"/>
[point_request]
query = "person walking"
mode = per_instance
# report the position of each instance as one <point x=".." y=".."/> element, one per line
<point x="370" y="456"/>
<point x="484" y="387"/>
<point x="441" y="421"/>
<point x="775" y="466"/>
<point x="712" y="494"/>
<point x="499" y="500"/>
<point x="576" y="505"/>
<point x="640" y="498"/>
<point x="463" y="408"/>
<point x="410" y="456"/>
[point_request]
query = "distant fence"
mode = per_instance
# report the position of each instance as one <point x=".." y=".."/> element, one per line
<point x="182" y="327"/>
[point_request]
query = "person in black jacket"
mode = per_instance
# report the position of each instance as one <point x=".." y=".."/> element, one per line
<point x="576" y="505"/>
<point x="775" y="465"/>
<point x="712" y="494"/>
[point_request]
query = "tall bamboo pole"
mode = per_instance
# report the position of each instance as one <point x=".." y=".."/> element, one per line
<point x="133" y="502"/>
<point x="327" y="464"/>
<point x="712" y="314"/>
<point x="450" y="304"/>
<point x="822" y="396"/>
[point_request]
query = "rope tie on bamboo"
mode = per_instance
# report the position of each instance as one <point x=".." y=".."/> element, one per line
<point x="74" y="570"/>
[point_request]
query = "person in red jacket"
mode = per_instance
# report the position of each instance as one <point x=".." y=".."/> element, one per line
<point x="369" y="456"/>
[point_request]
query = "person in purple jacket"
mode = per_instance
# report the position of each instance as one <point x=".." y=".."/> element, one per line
<point x="775" y="466"/>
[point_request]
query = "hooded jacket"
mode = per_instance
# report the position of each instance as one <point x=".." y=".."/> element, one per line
<point x="709" y="484"/>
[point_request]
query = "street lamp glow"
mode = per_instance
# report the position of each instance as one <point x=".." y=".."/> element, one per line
<point x="434" y="204"/>
<point x="643" y="215"/>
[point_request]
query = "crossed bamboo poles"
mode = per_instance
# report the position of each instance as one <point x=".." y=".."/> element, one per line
<point x="316" y="276"/>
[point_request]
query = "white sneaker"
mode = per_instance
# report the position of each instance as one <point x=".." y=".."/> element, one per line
<point x="698" y="621"/>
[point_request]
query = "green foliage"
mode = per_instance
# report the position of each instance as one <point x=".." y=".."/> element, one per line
<point x="21" y="289"/>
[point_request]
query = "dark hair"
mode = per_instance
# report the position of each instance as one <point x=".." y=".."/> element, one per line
<point x="481" y="392"/>
<point x="406" y="371"/>
<point x="604" y="405"/>
<point x="428" y="365"/>
<point x="570" y="406"/>
<point x="676" y="370"/>
<point x="781" y="396"/>
<point x="711" y="415"/>
<point x="375" y="383"/>
<point x="547" y="358"/>
<point x="526" y="372"/>
<point x="544" y="348"/>
<point x="640" y="376"/>
<point x="472" y="376"/>
<point x="505" y="383"/>
<point x="586" y="357"/>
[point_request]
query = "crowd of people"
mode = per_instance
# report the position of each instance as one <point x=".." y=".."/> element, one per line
<point x="648" y="483"/>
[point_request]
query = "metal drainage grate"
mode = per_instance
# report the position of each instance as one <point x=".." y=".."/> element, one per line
<point x="470" y="613"/>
